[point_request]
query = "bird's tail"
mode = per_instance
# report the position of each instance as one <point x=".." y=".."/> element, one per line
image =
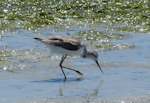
<point x="39" y="39"/>
<point x="42" y="36"/>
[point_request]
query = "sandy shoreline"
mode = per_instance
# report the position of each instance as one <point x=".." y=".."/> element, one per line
<point x="127" y="99"/>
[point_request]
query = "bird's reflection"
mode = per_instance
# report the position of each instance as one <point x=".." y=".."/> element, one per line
<point x="64" y="83"/>
<point x="96" y="89"/>
<point x="70" y="83"/>
<point x="95" y="92"/>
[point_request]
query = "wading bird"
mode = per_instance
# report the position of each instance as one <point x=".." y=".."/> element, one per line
<point x="68" y="46"/>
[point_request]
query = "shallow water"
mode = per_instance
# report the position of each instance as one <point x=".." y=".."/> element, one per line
<point x="34" y="76"/>
<point x="117" y="30"/>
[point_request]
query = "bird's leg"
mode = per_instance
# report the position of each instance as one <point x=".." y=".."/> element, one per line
<point x="62" y="59"/>
<point x="74" y="70"/>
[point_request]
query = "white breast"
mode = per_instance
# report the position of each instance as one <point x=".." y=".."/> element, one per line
<point x="60" y="50"/>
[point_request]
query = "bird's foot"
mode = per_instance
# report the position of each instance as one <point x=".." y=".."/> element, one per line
<point x="79" y="73"/>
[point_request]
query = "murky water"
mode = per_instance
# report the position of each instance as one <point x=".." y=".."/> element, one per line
<point x="32" y="75"/>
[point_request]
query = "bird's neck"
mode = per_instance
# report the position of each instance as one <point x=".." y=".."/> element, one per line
<point x="84" y="52"/>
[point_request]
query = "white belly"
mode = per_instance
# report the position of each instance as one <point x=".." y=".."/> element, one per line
<point x="60" y="50"/>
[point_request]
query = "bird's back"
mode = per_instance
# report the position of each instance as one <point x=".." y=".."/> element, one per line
<point x="68" y="43"/>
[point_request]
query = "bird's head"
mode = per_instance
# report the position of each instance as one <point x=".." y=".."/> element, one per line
<point x="94" y="56"/>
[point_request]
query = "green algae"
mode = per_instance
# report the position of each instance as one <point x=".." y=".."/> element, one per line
<point x="110" y="18"/>
<point x="33" y="14"/>
<point x="3" y="56"/>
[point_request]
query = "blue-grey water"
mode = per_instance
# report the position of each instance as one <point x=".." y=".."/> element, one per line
<point x="36" y="76"/>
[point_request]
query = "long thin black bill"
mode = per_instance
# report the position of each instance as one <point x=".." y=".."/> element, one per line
<point x="99" y="66"/>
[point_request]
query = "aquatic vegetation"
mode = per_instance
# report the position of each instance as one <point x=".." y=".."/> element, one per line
<point x="120" y="46"/>
<point x="12" y="59"/>
<point x="4" y="54"/>
<point x="97" y="35"/>
<point x="105" y="20"/>
<point x="112" y="16"/>
<point x="4" y="63"/>
<point x="129" y="15"/>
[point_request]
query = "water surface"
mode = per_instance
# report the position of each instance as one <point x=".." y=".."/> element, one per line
<point x="117" y="30"/>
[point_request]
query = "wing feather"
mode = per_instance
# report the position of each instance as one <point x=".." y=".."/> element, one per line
<point x="68" y="43"/>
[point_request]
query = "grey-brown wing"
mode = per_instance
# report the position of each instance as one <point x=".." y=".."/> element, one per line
<point x="68" y="43"/>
